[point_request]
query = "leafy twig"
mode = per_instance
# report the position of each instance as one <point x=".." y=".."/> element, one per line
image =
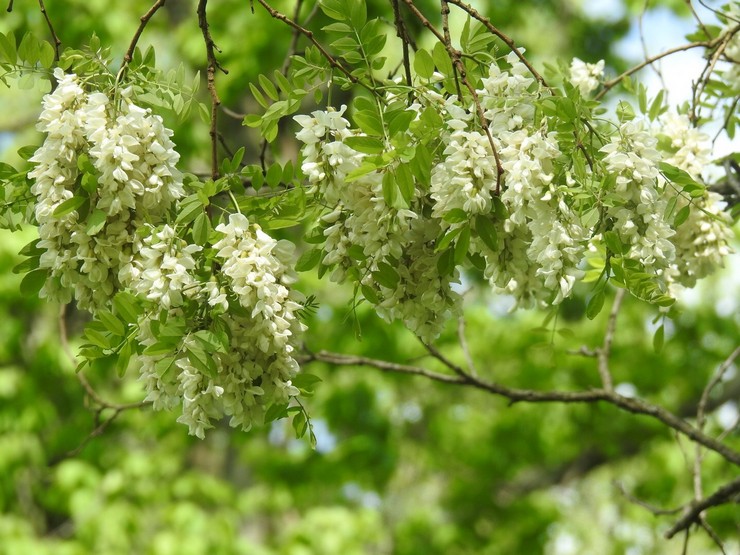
<point x="457" y="63"/>
<point x="710" y="44"/>
<point x="144" y="20"/>
<point x="213" y="65"/>
<point x="333" y="62"/>
<point x="57" y="42"/>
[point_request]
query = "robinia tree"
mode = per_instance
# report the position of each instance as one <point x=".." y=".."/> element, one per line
<point x="414" y="161"/>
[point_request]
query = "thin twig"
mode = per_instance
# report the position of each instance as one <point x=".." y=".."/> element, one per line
<point x="604" y="352"/>
<point x="310" y="36"/>
<point x="608" y="85"/>
<point x="57" y="42"/>
<point x="213" y="65"/>
<point x="144" y="20"/>
<point x="467" y="8"/>
<point x="629" y="404"/>
<point x="637" y="501"/>
<point x="401" y="34"/>
<point x="723" y="495"/>
<point x="455" y="58"/>
<point x="464" y="344"/>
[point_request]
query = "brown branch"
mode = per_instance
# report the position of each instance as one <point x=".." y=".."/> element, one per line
<point x="657" y="511"/>
<point x="515" y="395"/>
<point x="401" y="34"/>
<point x="459" y="66"/>
<point x="604" y="352"/>
<point x="213" y="65"/>
<point x="94" y="396"/>
<point x="57" y="42"/>
<point x="144" y="20"/>
<point x="467" y="8"/>
<point x="723" y="495"/>
<point x="608" y="85"/>
<point x="310" y="36"/>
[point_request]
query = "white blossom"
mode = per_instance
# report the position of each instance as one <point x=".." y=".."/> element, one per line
<point x="586" y="76"/>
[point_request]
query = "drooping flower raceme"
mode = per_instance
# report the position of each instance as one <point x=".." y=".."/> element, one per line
<point x="88" y="215"/>
<point x="251" y="356"/>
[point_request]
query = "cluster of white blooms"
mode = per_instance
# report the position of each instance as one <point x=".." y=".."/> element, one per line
<point x="539" y="221"/>
<point x="136" y="181"/>
<point x="638" y="212"/>
<point x="160" y="270"/>
<point x="702" y="241"/>
<point x="527" y="229"/>
<point x="254" y="371"/>
<point x="361" y="218"/>
<point x="586" y="76"/>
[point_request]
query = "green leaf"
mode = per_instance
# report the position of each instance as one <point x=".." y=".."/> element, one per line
<point x="68" y="206"/>
<point x="423" y="64"/>
<point x="274" y="175"/>
<point x="682" y="215"/>
<point x="308" y="260"/>
<point x="456" y="216"/>
<point x="446" y="240"/>
<point x="111" y="323"/>
<point x="369" y="294"/>
<point x="462" y="244"/>
<point x="657" y="106"/>
<point x="368" y="145"/>
<point x="8" y="48"/>
<point x="159" y="348"/>
<point x="46" y="55"/>
<point x="446" y="263"/>
<point x="486" y="230"/>
<point x="126" y="306"/>
<point x="390" y="190"/>
<point x="595" y="304"/>
<point x="334" y="9"/>
<point x="28" y="265"/>
<point x="124" y="356"/>
<point x="96" y="221"/>
<point x="276" y="412"/>
<point x="659" y="339"/>
<point x="614" y="243"/>
<point x="405" y="180"/>
<point x="257" y="96"/>
<point x="201" y="229"/>
<point x="32" y="283"/>
<point x="386" y="275"/>
<point x="268" y="87"/>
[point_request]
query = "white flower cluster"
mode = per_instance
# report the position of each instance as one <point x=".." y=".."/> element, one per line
<point x="540" y="223"/>
<point x="160" y="270"/>
<point x="638" y="211"/>
<point x="702" y="241"/>
<point x="135" y="160"/>
<point x="254" y="370"/>
<point x="528" y="229"/>
<point x="586" y="76"/>
<point x="361" y="218"/>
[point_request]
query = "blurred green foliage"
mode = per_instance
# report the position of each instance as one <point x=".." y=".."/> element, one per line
<point x="402" y="465"/>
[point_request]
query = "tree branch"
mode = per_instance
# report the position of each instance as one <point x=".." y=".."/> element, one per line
<point x="144" y="20"/>
<point x="213" y="65"/>
<point x="515" y="395"/>
<point x="723" y="495"/>
<point x="57" y="42"/>
<point x="310" y="36"/>
<point x="608" y="85"/>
